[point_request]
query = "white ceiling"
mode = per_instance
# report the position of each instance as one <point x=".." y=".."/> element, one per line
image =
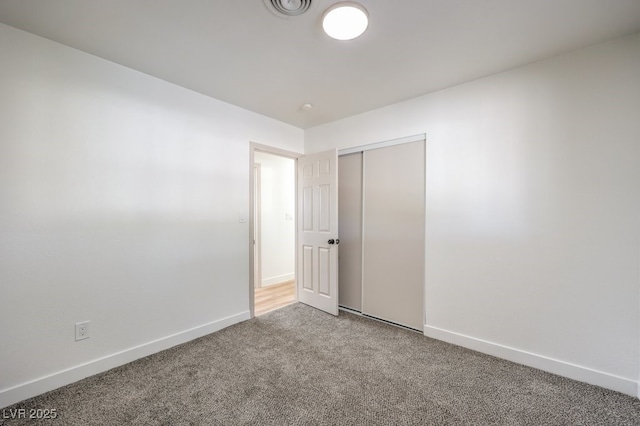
<point x="239" y="52"/>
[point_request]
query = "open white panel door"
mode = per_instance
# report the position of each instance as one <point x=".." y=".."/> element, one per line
<point x="318" y="231"/>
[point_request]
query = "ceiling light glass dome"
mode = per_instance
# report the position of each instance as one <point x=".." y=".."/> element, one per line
<point x="345" y="21"/>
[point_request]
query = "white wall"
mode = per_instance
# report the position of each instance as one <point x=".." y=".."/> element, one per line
<point x="120" y="197"/>
<point x="532" y="210"/>
<point x="278" y="237"/>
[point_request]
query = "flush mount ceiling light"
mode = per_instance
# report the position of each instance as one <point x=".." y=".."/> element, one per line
<point x="345" y="20"/>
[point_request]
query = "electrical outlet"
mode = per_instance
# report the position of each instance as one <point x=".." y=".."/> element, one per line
<point x="82" y="330"/>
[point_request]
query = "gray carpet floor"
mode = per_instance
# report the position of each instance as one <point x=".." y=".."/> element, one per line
<point x="300" y="366"/>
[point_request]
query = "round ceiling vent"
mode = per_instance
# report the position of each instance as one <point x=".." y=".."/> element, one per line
<point x="288" y="8"/>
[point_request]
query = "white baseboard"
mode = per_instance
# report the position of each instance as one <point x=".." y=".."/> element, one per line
<point x="561" y="368"/>
<point x="62" y="378"/>
<point x="278" y="279"/>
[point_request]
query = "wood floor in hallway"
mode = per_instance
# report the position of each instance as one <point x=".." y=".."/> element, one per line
<point x="274" y="296"/>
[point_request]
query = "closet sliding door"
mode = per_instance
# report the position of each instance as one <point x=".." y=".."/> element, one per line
<point x="350" y="220"/>
<point x="393" y="233"/>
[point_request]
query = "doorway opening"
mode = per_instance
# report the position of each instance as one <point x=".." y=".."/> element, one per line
<point x="273" y="280"/>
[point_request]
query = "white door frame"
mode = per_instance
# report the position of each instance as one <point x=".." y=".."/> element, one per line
<point x="282" y="153"/>
<point x="257" y="232"/>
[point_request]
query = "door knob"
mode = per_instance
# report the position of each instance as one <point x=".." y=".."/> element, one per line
<point x="331" y="241"/>
<point x="337" y="241"/>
